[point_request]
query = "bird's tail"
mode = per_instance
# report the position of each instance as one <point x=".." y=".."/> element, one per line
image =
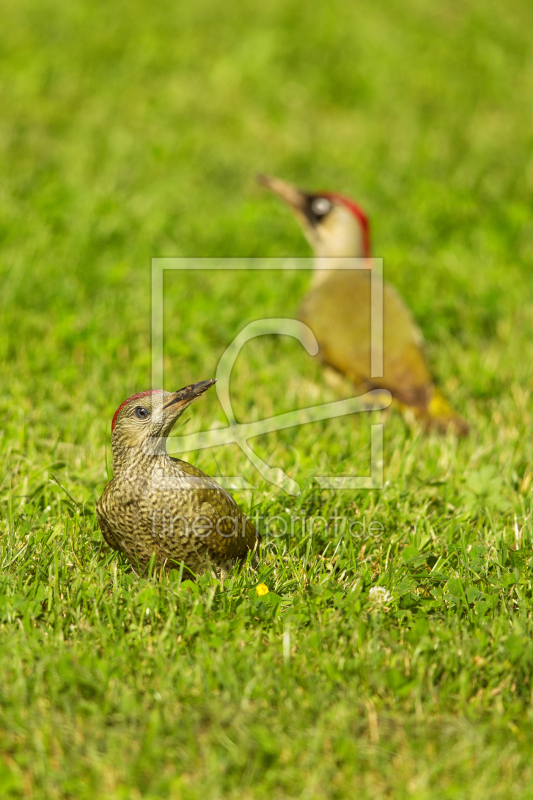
<point x="440" y="415"/>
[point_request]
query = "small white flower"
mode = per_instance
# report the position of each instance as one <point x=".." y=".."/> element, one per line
<point x="379" y="596"/>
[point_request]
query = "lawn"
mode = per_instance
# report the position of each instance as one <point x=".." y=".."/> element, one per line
<point x="133" y="130"/>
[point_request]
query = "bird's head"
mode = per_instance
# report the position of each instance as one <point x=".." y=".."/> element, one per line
<point x="142" y="422"/>
<point x="334" y="225"/>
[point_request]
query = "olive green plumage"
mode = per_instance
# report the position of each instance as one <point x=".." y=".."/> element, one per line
<point x="160" y="506"/>
<point x="337" y="309"/>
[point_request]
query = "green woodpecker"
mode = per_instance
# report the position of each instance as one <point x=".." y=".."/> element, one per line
<point x="337" y="307"/>
<point x="160" y="506"/>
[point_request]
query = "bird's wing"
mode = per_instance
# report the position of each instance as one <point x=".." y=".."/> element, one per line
<point x="338" y="311"/>
<point x="227" y="532"/>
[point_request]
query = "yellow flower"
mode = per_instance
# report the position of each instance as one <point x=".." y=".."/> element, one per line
<point x="261" y="589"/>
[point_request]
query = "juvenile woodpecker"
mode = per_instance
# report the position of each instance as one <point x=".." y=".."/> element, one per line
<point x="337" y="307"/>
<point x="159" y="505"/>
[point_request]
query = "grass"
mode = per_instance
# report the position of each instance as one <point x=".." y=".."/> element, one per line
<point x="133" y="130"/>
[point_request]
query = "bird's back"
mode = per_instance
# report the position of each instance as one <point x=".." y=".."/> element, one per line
<point x="338" y="311"/>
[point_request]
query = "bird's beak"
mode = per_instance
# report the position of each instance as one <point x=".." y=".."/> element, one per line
<point x="286" y="191"/>
<point x="184" y="397"/>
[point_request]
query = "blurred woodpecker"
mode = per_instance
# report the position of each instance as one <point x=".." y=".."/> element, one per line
<point x="160" y="506"/>
<point x="337" y="307"/>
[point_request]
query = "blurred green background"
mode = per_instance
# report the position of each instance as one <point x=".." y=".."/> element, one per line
<point x="134" y="130"/>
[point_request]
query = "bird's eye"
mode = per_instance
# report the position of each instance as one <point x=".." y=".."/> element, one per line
<point x="321" y="206"/>
<point x="141" y="412"/>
